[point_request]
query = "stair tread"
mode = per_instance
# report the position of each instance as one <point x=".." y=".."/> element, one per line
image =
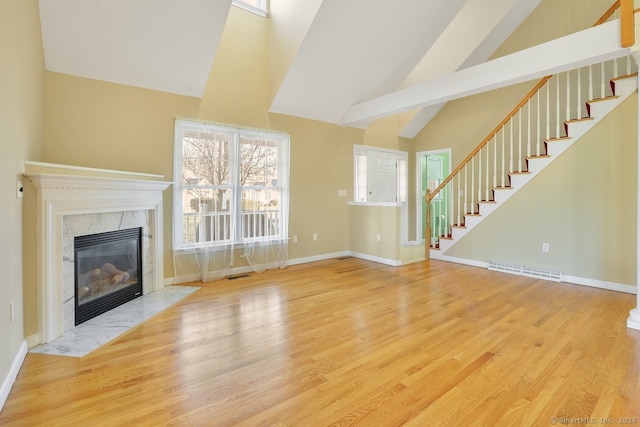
<point x="626" y="76"/>
<point x="606" y="98"/>
<point x="579" y="120"/>
<point x="508" y="187"/>
<point x="560" y="138"/>
<point x="519" y="173"/>
<point x="541" y="156"/>
<point x="486" y="201"/>
<point x="459" y="226"/>
<point x="472" y="214"/>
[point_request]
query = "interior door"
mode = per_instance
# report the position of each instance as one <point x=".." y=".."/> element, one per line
<point x="382" y="179"/>
<point x="435" y="168"/>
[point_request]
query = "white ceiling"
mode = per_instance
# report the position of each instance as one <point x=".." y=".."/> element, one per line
<point x="345" y="52"/>
<point x="165" y="45"/>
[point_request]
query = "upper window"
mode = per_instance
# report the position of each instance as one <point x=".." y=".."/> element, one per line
<point x="258" y="7"/>
<point x="380" y="175"/>
<point x="230" y="184"/>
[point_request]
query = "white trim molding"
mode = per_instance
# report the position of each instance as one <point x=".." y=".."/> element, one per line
<point x="633" y="322"/>
<point x="60" y="195"/>
<point x="13" y="374"/>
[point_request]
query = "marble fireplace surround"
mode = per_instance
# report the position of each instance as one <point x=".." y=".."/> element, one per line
<point x="74" y="201"/>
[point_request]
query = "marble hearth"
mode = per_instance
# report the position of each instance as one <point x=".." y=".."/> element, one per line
<point x="74" y="201"/>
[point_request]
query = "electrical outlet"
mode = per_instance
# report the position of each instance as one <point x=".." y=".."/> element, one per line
<point x="315" y="236"/>
<point x="342" y="193"/>
<point x="378" y="238"/>
<point x="11" y="311"/>
<point x="295" y="238"/>
<point x="545" y="247"/>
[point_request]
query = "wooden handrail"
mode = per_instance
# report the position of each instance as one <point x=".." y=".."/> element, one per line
<point x="513" y="112"/>
<point x="627" y="30"/>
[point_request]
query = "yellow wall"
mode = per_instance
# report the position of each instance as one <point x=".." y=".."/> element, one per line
<point x="21" y="97"/>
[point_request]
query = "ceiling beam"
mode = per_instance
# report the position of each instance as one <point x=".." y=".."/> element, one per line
<point x="576" y="50"/>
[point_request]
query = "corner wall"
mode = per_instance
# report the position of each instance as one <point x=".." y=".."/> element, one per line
<point x="21" y="117"/>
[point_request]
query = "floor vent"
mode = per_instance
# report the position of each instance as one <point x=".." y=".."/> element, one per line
<point x="522" y="270"/>
<point x="342" y="258"/>
<point x="237" y="276"/>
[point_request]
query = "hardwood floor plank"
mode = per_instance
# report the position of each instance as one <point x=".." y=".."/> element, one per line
<point x="351" y="342"/>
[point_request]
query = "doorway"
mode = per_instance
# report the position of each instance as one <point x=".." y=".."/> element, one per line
<point x="432" y="167"/>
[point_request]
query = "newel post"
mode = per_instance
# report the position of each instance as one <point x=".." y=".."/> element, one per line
<point x="633" y="321"/>
<point x="427" y="230"/>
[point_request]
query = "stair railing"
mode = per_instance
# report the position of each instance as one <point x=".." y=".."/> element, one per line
<point x="539" y="118"/>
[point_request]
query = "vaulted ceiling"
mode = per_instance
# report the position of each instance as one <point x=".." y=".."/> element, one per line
<point x="344" y="53"/>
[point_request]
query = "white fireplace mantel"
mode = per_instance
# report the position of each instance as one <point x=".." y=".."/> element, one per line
<point x="85" y="191"/>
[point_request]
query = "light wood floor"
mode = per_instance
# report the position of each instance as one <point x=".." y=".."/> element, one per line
<point x="350" y="342"/>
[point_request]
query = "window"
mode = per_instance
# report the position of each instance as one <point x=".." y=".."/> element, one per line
<point x="259" y="7"/>
<point x="231" y="185"/>
<point x="380" y="175"/>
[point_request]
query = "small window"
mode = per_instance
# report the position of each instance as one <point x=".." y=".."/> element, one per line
<point x="259" y="7"/>
<point x="380" y="175"/>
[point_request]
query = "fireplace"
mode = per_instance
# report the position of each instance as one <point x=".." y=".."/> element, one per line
<point x="108" y="271"/>
<point x="75" y="201"/>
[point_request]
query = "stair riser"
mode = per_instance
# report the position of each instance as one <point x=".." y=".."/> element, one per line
<point x="501" y="195"/>
<point x="536" y="165"/>
<point x="517" y="181"/>
<point x="555" y="148"/>
<point x="626" y="86"/>
<point x="577" y="129"/>
<point x="487" y="208"/>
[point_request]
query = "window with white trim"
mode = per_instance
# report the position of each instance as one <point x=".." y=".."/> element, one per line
<point x="259" y="7"/>
<point x="380" y="175"/>
<point x="231" y="185"/>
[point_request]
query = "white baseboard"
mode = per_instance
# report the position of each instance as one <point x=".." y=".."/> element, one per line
<point x="594" y="283"/>
<point x="315" y="258"/>
<point x="602" y="284"/>
<point x="633" y="322"/>
<point x="33" y="340"/>
<point x="13" y="373"/>
<point x="391" y="262"/>
<point x="463" y="261"/>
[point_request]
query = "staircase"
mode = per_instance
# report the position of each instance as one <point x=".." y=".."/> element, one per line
<point x="549" y="120"/>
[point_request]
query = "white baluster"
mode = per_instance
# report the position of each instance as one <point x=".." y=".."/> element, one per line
<point x="495" y="160"/>
<point x="503" y="144"/>
<point x="511" y="145"/>
<point x="568" y="108"/>
<point x="529" y="127"/>
<point x="628" y="65"/>
<point x="558" y="106"/>
<point x="486" y="195"/>
<point x="447" y="211"/>
<point x="466" y="203"/>
<point x="590" y="83"/>
<point x="615" y="68"/>
<point x="538" y="124"/>
<point x="602" y="86"/>
<point x="579" y="89"/>
<point x="457" y="198"/>
<point x="480" y="174"/>
<point x="473" y="181"/>
<point x="548" y="131"/>
<point x="520" y="140"/>
<point x="440" y="230"/>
